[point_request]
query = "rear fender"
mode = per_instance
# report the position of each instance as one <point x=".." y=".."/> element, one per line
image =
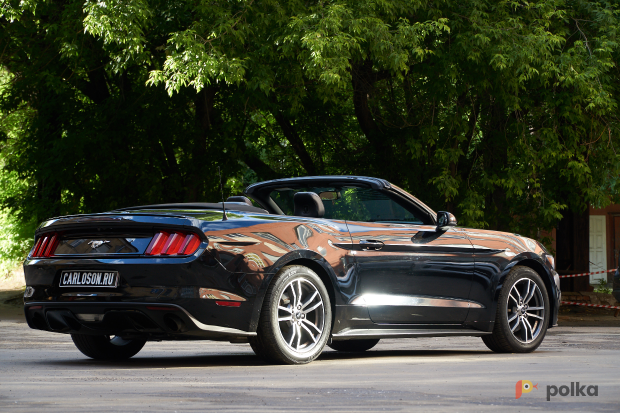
<point x="291" y="258"/>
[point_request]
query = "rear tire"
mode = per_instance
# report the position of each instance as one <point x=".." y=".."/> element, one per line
<point x="296" y="318"/>
<point x="107" y="347"/>
<point x="354" y="345"/>
<point x="523" y="312"/>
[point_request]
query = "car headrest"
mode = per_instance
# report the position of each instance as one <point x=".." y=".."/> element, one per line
<point x="308" y="204"/>
<point x="239" y="198"/>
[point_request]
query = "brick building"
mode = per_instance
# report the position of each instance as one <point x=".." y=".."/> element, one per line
<point x="587" y="242"/>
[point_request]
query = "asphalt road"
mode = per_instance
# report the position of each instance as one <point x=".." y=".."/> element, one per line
<point x="44" y="371"/>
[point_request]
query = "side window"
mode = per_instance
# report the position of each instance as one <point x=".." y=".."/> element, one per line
<point x="351" y="204"/>
<point x="370" y="205"/>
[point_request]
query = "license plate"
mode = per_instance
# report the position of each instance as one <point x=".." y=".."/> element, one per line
<point x="89" y="279"/>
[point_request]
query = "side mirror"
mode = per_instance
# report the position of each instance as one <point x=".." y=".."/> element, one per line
<point x="445" y="220"/>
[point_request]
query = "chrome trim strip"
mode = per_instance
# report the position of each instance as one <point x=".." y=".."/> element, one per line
<point x="216" y="329"/>
<point x="366" y="300"/>
<point x="405" y="333"/>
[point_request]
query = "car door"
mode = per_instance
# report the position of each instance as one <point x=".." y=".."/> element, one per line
<point x="409" y="272"/>
<point x="412" y="274"/>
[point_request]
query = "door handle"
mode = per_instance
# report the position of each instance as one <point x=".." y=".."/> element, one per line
<point x="371" y="244"/>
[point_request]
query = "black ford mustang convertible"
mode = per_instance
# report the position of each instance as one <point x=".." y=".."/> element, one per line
<point x="341" y="261"/>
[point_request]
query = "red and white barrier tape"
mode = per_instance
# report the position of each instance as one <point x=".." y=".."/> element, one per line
<point x="590" y="305"/>
<point x="586" y="273"/>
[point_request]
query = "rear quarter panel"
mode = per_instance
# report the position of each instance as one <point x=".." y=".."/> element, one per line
<point x="254" y="248"/>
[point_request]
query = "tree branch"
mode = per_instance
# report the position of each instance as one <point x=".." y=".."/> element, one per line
<point x="296" y="143"/>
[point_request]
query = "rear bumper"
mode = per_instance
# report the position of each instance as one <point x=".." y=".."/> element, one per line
<point x="152" y="281"/>
<point x="151" y="321"/>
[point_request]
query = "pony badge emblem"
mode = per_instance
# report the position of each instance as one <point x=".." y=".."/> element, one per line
<point x="96" y="244"/>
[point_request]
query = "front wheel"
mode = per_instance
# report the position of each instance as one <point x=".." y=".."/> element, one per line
<point x="296" y="318"/>
<point x="522" y="313"/>
<point x="107" y="347"/>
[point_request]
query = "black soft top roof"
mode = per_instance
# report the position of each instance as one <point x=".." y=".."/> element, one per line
<point x="232" y="206"/>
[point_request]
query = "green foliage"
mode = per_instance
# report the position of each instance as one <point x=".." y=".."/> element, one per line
<point x="16" y="235"/>
<point x="16" y="238"/>
<point x="503" y="112"/>
<point x="124" y="22"/>
<point x="602" y="287"/>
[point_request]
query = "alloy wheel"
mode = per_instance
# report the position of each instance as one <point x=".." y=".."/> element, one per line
<point x="525" y="310"/>
<point x="301" y="315"/>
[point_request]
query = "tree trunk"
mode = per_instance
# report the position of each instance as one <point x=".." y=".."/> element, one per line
<point x="204" y="121"/>
<point x="497" y="211"/>
<point x="573" y="249"/>
<point x="296" y="143"/>
<point x="382" y="158"/>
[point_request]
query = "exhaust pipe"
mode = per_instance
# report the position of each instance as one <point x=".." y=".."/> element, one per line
<point x="174" y="323"/>
<point x="62" y="321"/>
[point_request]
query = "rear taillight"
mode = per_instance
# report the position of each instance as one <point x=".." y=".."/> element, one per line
<point x="173" y="243"/>
<point x="45" y="245"/>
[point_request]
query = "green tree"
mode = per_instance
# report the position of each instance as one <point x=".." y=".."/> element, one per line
<point x="503" y="112"/>
<point x="15" y="234"/>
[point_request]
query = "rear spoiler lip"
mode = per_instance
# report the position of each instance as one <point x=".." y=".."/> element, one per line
<point x="107" y="216"/>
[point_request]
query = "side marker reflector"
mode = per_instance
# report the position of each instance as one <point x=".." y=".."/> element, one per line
<point x="228" y="303"/>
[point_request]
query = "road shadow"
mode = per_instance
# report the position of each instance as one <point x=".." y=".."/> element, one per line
<point x="246" y="359"/>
